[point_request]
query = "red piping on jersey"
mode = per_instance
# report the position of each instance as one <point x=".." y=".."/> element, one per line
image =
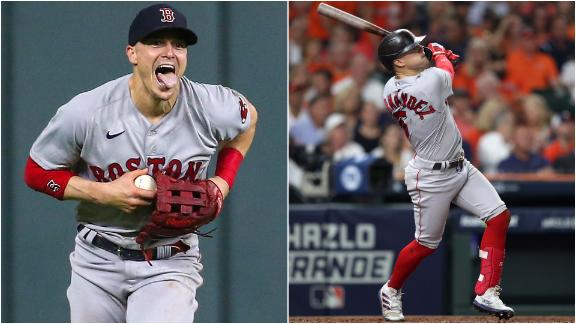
<point x="419" y="206"/>
<point x="50" y="182"/>
<point x="442" y="62"/>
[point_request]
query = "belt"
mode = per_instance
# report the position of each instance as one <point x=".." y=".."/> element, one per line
<point x="159" y="252"/>
<point x="448" y="164"/>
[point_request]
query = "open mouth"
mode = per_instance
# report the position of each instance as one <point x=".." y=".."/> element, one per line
<point x="166" y="76"/>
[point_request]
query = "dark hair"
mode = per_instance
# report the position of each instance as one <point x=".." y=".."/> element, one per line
<point x="317" y="98"/>
<point x="325" y="73"/>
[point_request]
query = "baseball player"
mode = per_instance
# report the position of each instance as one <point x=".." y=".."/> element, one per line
<point x="438" y="174"/>
<point x="153" y="121"/>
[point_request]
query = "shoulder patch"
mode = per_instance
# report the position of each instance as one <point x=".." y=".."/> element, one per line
<point x="243" y="110"/>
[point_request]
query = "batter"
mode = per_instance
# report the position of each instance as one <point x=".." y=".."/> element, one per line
<point x="438" y="175"/>
<point x="153" y="120"/>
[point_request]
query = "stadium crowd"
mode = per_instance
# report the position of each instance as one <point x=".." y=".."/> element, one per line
<point x="513" y="90"/>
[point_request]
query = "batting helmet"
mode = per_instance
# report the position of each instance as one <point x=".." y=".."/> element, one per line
<point x="397" y="43"/>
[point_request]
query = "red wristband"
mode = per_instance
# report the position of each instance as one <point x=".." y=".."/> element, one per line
<point x="51" y="182"/>
<point x="229" y="160"/>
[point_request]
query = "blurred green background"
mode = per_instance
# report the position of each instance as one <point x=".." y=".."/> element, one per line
<point x="52" y="51"/>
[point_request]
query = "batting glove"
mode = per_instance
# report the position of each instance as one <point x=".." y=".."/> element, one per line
<point x="438" y="49"/>
<point x="451" y="56"/>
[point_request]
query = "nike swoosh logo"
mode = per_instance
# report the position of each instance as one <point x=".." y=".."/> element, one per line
<point x="111" y="136"/>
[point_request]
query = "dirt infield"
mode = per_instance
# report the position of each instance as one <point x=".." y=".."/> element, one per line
<point x="433" y="319"/>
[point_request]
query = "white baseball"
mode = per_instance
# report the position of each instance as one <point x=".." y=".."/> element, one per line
<point x="145" y="182"/>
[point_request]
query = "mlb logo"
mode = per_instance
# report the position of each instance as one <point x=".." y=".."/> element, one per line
<point x="327" y="297"/>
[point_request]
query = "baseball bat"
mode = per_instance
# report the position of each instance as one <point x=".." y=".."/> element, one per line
<point x="349" y="19"/>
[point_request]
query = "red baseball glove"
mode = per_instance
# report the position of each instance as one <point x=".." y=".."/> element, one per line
<point x="182" y="207"/>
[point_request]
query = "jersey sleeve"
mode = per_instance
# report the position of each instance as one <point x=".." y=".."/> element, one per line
<point x="228" y="113"/>
<point x="60" y="143"/>
<point x="442" y="82"/>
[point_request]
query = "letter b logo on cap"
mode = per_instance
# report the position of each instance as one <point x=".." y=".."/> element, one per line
<point x="167" y="15"/>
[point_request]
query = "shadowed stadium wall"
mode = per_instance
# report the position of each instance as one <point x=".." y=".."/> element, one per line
<point x="54" y="51"/>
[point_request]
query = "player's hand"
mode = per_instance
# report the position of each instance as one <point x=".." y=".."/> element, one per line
<point x="124" y="195"/>
<point x="438" y="49"/>
<point x="222" y="185"/>
<point x="451" y="56"/>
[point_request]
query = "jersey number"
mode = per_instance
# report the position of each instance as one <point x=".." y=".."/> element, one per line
<point x="399" y="115"/>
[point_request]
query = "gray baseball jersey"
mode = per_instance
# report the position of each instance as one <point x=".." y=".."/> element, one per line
<point x="418" y="103"/>
<point x="102" y="135"/>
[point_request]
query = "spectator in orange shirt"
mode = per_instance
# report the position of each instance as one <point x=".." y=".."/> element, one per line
<point x="466" y="74"/>
<point x="319" y="26"/>
<point x="564" y="142"/>
<point x="527" y="69"/>
<point x="476" y="63"/>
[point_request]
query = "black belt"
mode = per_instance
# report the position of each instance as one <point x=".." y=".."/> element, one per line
<point x="452" y="164"/>
<point x="136" y="255"/>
